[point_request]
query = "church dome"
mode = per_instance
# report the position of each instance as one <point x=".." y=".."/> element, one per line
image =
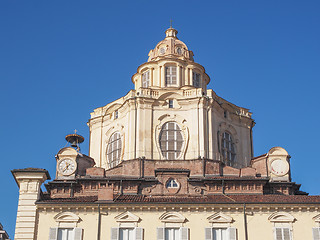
<point x="170" y="47"/>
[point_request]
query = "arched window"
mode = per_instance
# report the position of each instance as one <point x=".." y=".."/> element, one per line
<point x="114" y="150"/>
<point x="227" y="149"/>
<point x="172" y="184"/>
<point x="171" y="140"/>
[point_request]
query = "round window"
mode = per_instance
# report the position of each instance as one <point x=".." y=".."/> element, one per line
<point x="162" y="50"/>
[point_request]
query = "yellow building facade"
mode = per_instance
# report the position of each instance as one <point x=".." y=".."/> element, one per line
<point x="171" y="160"/>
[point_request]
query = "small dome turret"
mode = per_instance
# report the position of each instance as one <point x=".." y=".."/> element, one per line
<point x="171" y="66"/>
<point x="171" y="47"/>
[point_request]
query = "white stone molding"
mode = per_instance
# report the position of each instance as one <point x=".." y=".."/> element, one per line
<point x="184" y="130"/>
<point x="67" y="220"/>
<point x="281" y="219"/>
<point x="220" y="220"/>
<point x="127" y="219"/>
<point x="278" y="151"/>
<point x="115" y="106"/>
<point x="317" y="220"/>
<point x="172" y="219"/>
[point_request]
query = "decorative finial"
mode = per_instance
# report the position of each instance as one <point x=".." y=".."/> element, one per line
<point x="170" y="23"/>
<point x="75" y="139"/>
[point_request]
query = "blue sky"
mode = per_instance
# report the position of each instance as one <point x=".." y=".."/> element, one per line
<point x="61" y="59"/>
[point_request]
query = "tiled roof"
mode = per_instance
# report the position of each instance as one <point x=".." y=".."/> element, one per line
<point x="223" y="199"/>
<point x="215" y="199"/>
<point x="86" y="199"/>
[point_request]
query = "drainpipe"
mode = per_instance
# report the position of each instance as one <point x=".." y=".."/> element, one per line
<point x="222" y="186"/>
<point x="245" y="222"/>
<point x="72" y="190"/>
<point x="204" y="162"/>
<point x="121" y="187"/>
<point x="99" y="223"/>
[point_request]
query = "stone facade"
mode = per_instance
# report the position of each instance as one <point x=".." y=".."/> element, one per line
<point x="171" y="160"/>
<point x="3" y="234"/>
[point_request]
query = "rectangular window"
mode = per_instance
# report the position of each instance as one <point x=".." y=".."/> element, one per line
<point x="145" y="79"/>
<point x="170" y="103"/>
<point x="65" y="234"/>
<point x="181" y="233"/>
<point x="283" y="233"/>
<point x="196" y="79"/>
<point x="171" y="75"/>
<point x="127" y="234"/>
<point x="116" y="114"/>
<point x="172" y="234"/>
<point x="221" y="233"/>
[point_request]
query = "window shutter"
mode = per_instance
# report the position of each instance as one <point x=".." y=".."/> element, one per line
<point x="139" y="233"/>
<point x="184" y="233"/>
<point x="114" y="233"/>
<point x="286" y="234"/>
<point x="78" y="234"/>
<point x="208" y="233"/>
<point x="53" y="234"/>
<point x="232" y="233"/>
<point x="316" y="233"/>
<point x="278" y="234"/>
<point x="160" y="233"/>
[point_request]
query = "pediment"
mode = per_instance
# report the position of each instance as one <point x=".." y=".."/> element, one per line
<point x="220" y="218"/>
<point x="172" y="217"/>
<point x="278" y="151"/>
<point x="67" y="217"/>
<point x="316" y="218"/>
<point x="67" y="151"/>
<point x="127" y="217"/>
<point x="281" y="217"/>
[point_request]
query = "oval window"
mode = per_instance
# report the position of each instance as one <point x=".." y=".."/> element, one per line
<point x="171" y="140"/>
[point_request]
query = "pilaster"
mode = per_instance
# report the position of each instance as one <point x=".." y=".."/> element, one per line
<point x="29" y="181"/>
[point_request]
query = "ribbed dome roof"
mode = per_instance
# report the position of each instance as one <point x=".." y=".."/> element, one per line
<point x="171" y="47"/>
